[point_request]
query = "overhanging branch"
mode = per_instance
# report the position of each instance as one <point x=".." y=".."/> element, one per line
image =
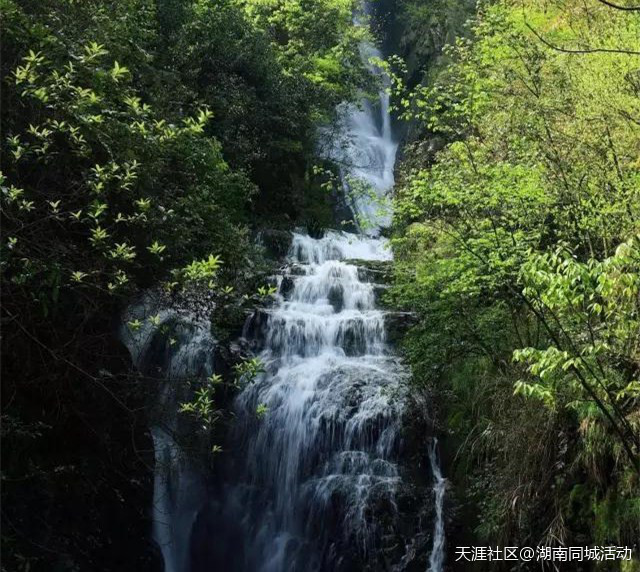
<point x="581" y="50"/>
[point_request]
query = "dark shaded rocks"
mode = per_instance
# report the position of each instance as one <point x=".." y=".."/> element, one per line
<point x="286" y="286"/>
<point x="397" y="324"/>
<point x="336" y="298"/>
<point x="379" y="291"/>
<point x="275" y="242"/>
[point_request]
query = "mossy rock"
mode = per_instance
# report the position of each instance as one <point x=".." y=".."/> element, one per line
<point x="276" y="242"/>
<point x="373" y="270"/>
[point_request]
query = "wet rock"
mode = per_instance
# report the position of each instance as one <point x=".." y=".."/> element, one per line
<point x="276" y="242"/>
<point x="255" y="327"/>
<point x="286" y="286"/>
<point x="336" y="298"/>
<point x="373" y="270"/>
<point x="378" y="292"/>
<point x="397" y="324"/>
<point x="296" y="270"/>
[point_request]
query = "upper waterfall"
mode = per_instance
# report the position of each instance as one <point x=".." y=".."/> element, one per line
<point x="366" y="151"/>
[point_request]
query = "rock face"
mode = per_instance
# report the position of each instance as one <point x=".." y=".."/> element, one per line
<point x="175" y="352"/>
<point x="397" y="324"/>
<point x="378" y="273"/>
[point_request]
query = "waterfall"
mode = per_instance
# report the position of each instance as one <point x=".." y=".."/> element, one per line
<point x="436" y="559"/>
<point x="319" y="466"/>
<point x="311" y="479"/>
<point x="317" y="436"/>
<point x="366" y="150"/>
<point x="185" y="351"/>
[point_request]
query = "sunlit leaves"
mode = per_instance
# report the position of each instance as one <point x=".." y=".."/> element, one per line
<point x="118" y="72"/>
<point x="265" y="291"/>
<point x="202" y="270"/>
<point x="122" y="251"/>
<point x="27" y="73"/>
<point x="156" y="248"/>
<point x="143" y="204"/>
<point x="98" y="235"/>
<point x="134" y="325"/>
<point x="12" y="193"/>
<point x="94" y="51"/>
<point x="105" y="149"/>
<point x="246" y="371"/>
<point x="78" y="276"/>
<point x="202" y="407"/>
<point x="119" y="280"/>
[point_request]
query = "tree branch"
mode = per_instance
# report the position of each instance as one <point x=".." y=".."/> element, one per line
<point x="580" y="51"/>
<point x="618" y="7"/>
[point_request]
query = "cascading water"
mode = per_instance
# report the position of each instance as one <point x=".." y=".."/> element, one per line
<point x="436" y="560"/>
<point x="179" y="489"/>
<point x="320" y="464"/>
<point x="367" y="151"/>
<point x="319" y="468"/>
<point x="315" y="483"/>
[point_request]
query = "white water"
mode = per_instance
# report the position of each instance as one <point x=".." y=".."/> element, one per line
<point x="311" y="485"/>
<point x="369" y="156"/>
<point x="367" y="152"/>
<point x="320" y="462"/>
<point x="315" y="487"/>
<point x="436" y="560"/>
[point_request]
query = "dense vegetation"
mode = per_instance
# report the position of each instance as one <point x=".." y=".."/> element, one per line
<point x="142" y="142"/>
<point x="516" y="242"/>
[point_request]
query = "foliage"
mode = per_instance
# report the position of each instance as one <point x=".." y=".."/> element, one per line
<point x="140" y="140"/>
<point x="518" y="247"/>
<point x="292" y="63"/>
<point x="427" y="28"/>
<point x="91" y="200"/>
<point x="203" y="404"/>
<point x="316" y="40"/>
<point x="246" y="371"/>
